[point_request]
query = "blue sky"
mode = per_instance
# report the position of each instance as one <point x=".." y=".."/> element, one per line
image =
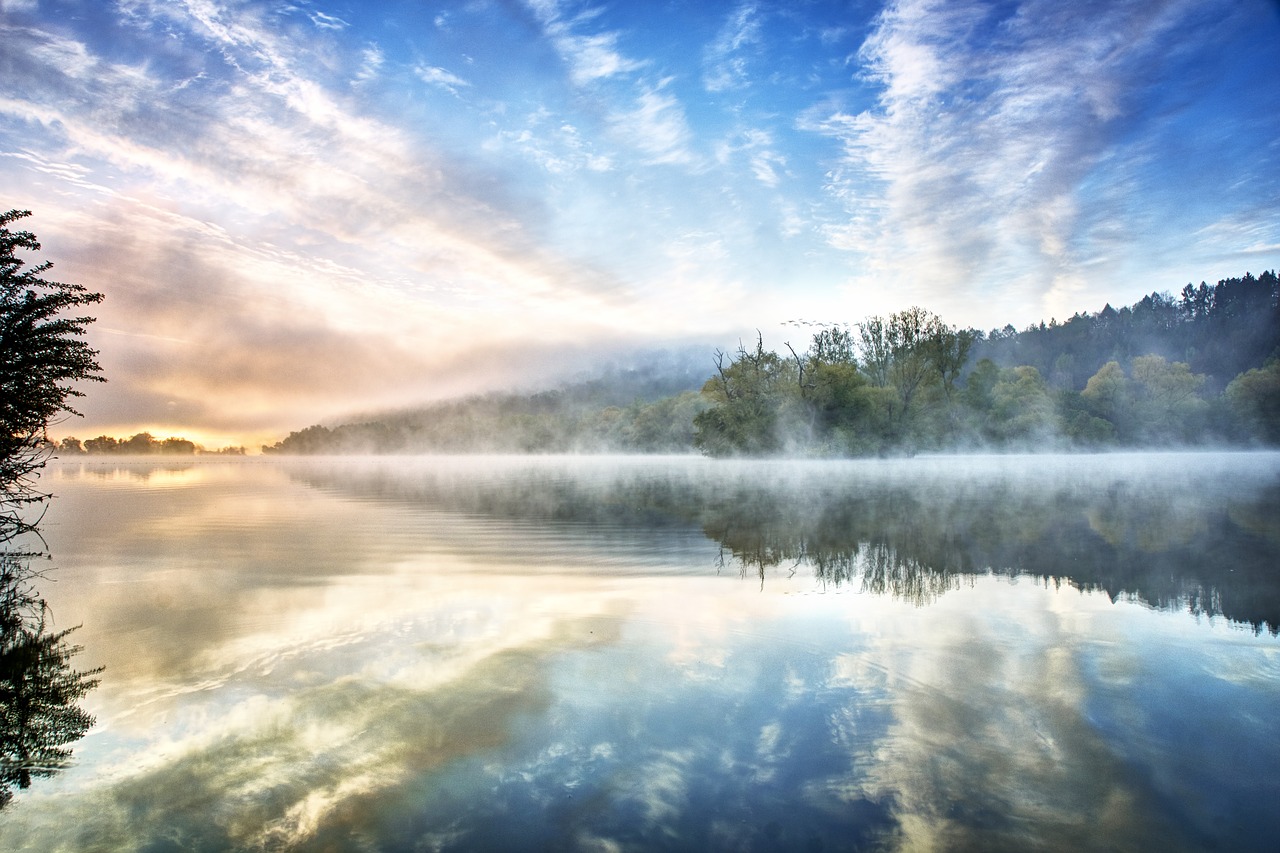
<point x="301" y="209"/>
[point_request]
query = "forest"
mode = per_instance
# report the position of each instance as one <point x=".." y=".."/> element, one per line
<point x="1199" y="368"/>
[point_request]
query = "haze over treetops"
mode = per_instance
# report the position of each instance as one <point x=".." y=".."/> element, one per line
<point x="298" y="210"/>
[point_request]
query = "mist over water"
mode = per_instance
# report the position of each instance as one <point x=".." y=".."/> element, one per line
<point x="583" y="652"/>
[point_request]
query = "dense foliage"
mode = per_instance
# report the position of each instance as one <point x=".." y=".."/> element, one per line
<point x="42" y="356"/>
<point x="1166" y="372"/>
<point x="1219" y="331"/>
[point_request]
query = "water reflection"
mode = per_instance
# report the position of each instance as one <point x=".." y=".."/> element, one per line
<point x="541" y="654"/>
<point x="39" y="690"/>
<point x="1193" y="531"/>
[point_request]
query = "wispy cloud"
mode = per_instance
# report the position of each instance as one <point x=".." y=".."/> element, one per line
<point x="975" y="161"/>
<point x="321" y="20"/>
<point x="765" y="161"/>
<point x="372" y="61"/>
<point x="656" y="126"/>
<point x="327" y="22"/>
<point x="726" y="58"/>
<point x="654" y="123"/>
<point x="590" y="56"/>
<point x="555" y="145"/>
<point x="435" y="76"/>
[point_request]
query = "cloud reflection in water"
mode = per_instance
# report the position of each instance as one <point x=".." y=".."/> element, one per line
<point x="533" y="654"/>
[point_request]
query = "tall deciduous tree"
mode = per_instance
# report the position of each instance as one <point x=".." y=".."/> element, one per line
<point x="907" y="352"/>
<point x="748" y="393"/>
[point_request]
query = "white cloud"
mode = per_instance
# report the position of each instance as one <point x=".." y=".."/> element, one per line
<point x="65" y="172"/>
<point x="594" y="57"/>
<point x="557" y="147"/>
<point x="765" y="165"/>
<point x="655" y="124"/>
<point x="68" y="56"/>
<point x="764" y="160"/>
<point x="657" y="128"/>
<point x="973" y="165"/>
<point x="724" y="62"/>
<point x="327" y="22"/>
<point x="590" y="56"/>
<point x="435" y="76"/>
<point x="372" y="60"/>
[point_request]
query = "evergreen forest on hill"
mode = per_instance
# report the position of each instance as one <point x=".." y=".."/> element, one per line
<point x="1198" y="368"/>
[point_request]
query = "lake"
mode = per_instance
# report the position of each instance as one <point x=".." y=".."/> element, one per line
<point x="955" y="653"/>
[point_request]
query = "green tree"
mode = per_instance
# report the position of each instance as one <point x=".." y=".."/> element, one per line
<point x="1159" y="401"/>
<point x="979" y="385"/>
<point x="1254" y="398"/>
<point x="908" y="352"/>
<point x="1022" y="410"/>
<point x="42" y="356"/>
<point x="1107" y="395"/>
<point x="663" y="426"/>
<point x="1080" y="425"/>
<point x="948" y="350"/>
<point x="749" y="395"/>
<point x="1166" y="399"/>
<point x="836" y="400"/>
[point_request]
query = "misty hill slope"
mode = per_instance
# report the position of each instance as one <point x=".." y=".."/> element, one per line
<point x="642" y="404"/>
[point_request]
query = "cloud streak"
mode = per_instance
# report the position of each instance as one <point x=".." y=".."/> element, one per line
<point x="726" y="58"/>
<point x="988" y="130"/>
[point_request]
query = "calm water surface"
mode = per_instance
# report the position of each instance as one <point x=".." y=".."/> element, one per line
<point x="1016" y="653"/>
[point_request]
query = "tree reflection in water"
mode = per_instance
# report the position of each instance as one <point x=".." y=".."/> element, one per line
<point x="1194" y="532"/>
<point x="1210" y="556"/>
<point x="39" y="717"/>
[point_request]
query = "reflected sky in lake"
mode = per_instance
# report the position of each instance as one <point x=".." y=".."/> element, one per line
<point x="614" y="654"/>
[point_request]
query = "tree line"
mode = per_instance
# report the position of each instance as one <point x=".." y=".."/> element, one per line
<point x="141" y="444"/>
<point x="1199" y="368"/>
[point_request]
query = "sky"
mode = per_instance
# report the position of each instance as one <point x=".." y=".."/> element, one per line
<point x="301" y="209"/>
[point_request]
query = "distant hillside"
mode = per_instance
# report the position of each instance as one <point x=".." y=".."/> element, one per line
<point x="1199" y="367"/>
<point x="1219" y="331"/>
<point x="644" y="404"/>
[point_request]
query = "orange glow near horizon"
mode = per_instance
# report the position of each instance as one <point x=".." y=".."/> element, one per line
<point x="209" y="440"/>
